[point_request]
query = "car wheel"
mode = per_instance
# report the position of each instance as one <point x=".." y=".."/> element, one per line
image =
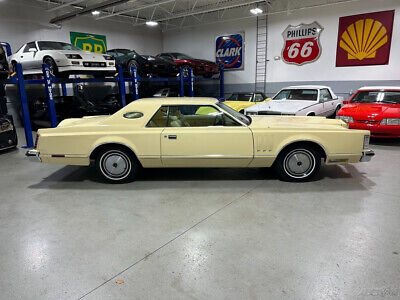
<point x="185" y="71"/>
<point x="298" y="163"/>
<point x="336" y="111"/>
<point x="52" y="65"/>
<point x="133" y="63"/>
<point x="116" y="165"/>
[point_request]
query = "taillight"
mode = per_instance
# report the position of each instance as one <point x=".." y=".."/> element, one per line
<point x="36" y="140"/>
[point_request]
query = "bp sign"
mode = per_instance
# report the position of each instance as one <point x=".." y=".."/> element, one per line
<point x="89" y="42"/>
<point x="229" y="51"/>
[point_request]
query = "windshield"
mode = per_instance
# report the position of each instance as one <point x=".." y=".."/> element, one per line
<point x="297" y="94"/>
<point x="125" y="51"/>
<point x="392" y="97"/>
<point x="240" y="97"/>
<point x="57" y="46"/>
<point x="180" y="56"/>
<point x="245" y="119"/>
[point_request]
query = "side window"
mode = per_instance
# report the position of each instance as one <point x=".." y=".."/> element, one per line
<point x="29" y="46"/>
<point x="258" y="98"/>
<point x="160" y="118"/>
<point x="324" y="93"/>
<point x="198" y="116"/>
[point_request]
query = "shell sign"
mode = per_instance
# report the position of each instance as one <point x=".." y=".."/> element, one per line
<point x="364" y="39"/>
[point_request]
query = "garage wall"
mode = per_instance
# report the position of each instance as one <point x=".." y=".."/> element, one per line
<point x="21" y="21"/>
<point x="199" y="42"/>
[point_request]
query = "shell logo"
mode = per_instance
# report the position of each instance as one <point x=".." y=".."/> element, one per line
<point x="363" y="38"/>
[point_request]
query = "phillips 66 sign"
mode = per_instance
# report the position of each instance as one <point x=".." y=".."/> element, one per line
<point x="301" y="43"/>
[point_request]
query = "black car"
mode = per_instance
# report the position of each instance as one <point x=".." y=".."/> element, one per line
<point x="3" y="64"/>
<point x="146" y="65"/>
<point x="68" y="107"/>
<point x="8" y="134"/>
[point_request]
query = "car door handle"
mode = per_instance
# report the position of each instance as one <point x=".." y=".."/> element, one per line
<point x="172" y="137"/>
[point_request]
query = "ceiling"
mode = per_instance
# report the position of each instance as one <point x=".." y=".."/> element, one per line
<point x="172" y="14"/>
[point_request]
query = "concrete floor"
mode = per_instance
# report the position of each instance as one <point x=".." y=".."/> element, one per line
<point x="200" y="234"/>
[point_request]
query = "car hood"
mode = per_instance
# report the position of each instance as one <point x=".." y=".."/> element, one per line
<point x="284" y="106"/>
<point x="158" y="60"/>
<point x="371" y="111"/>
<point x="291" y="122"/>
<point x="84" y="54"/>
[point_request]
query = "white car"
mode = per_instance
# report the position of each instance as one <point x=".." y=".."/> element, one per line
<point x="305" y="100"/>
<point x="63" y="58"/>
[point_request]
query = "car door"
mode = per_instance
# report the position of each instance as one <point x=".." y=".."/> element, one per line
<point x="328" y="106"/>
<point x="27" y="58"/>
<point x="204" y="136"/>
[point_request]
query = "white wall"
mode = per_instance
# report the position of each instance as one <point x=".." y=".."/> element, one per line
<point x="21" y="22"/>
<point x="324" y="68"/>
<point x="200" y="42"/>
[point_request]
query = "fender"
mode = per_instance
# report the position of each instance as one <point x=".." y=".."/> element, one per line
<point x="301" y="138"/>
<point x="114" y="140"/>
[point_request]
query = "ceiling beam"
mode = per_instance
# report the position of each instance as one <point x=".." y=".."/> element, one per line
<point x="64" y="5"/>
<point x="87" y="10"/>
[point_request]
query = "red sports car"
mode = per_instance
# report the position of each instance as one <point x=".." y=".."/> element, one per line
<point x="201" y="67"/>
<point x="376" y="109"/>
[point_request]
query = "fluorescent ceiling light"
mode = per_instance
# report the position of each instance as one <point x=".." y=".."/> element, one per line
<point x="95" y="13"/>
<point x="256" y="11"/>
<point x="151" y="23"/>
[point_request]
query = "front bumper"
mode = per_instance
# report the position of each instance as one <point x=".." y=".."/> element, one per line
<point x="378" y="131"/>
<point x="33" y="155"/>
<point x="367" y="155"/>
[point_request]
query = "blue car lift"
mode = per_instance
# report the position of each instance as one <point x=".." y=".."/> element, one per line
<point x="49" y="79"/>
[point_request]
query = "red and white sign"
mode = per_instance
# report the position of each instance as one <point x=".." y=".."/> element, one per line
<point x="301" y="43"/>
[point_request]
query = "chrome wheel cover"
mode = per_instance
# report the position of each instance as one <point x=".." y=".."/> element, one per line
<point x="115" y="165"/>
<point x="299" y="163"/>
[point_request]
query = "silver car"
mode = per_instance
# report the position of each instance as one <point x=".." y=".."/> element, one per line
<point x="63" y="58"/>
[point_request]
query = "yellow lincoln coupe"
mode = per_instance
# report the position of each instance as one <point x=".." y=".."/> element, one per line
<point x="202" y="132"/>
<point x="241" y="101"/>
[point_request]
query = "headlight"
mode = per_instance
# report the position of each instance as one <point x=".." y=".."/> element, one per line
<point x="73" y="56"/>
<point x="6" y="126"/>
<point x="390" y="121"/>
<point x="108" y="57"/>
<point x="366" y="142"/>
<point x="347" y="119"/>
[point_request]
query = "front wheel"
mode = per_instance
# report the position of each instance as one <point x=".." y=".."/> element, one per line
<point x="116" y="165"/>
<point x="52" y="66"/>
<point x="298" y="163"/>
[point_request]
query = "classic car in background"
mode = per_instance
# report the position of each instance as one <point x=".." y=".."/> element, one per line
<point x="68" y="107"/>
<point x="146" y="65"/>
<point x="4" y="69"/>
<point x="305" y="100"/>
<point x="374" y="108"/>
<point x="8" y="134"/>
<point x="64" y="59"/>
<point x="201" y="67"/>
<point x="241" y="101"/>
<point x="199" y="132"/>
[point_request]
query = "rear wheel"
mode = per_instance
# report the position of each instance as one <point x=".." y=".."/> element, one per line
<point x="298" y="163"/>
<point x="185" y="71"/>
<point x="116" y="165"/>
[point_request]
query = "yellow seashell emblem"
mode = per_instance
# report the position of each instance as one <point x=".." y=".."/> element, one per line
<point x="363" y="38"/>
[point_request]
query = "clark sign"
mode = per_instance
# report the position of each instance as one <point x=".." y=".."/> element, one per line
<point x="229" y="51"/>
<point x="301" y="43"/>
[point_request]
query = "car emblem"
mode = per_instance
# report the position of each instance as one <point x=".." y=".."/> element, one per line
<point x="301" y="43"/>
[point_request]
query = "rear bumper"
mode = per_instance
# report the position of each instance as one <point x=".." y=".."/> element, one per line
<point x="378" y="131"/>
<point x="367" y="155"/>
<point x="33" y="155"/>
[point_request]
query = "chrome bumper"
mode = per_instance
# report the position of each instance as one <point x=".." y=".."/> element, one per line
<point x="33" y="155"/>
<point x="367" y="155"/>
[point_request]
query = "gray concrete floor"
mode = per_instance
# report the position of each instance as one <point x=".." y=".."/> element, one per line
<point x="200" y="234"/>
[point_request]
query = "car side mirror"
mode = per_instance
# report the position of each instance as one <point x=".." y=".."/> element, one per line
<point x="32" y="50"/>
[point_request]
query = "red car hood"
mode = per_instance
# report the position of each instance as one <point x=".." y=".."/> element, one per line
<point x="370" y="111"/>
